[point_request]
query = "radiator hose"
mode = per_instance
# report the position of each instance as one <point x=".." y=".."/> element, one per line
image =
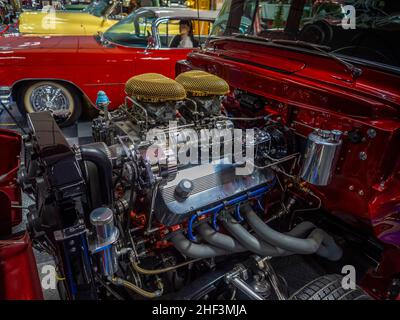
<point x="96" y="153"/>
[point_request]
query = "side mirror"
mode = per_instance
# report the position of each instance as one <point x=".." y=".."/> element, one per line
<point x="102" y="39"/>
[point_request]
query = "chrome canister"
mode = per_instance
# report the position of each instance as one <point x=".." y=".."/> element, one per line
<point x="320" y="158"/>
<point x="106" y="236"/>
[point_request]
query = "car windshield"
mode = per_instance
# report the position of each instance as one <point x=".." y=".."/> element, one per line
<point x="365" y="30"/>
<point x="133" y="31"/>
<point x="98" y="8"/>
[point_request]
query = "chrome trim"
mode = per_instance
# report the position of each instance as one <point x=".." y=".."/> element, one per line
<point x="6" y="97"/>
<point x="154" y="26"/>
<point x="160" y="20"/>
<point x="42" y="99"/>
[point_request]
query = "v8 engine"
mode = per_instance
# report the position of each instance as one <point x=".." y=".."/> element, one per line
<point x="172" y="188"/>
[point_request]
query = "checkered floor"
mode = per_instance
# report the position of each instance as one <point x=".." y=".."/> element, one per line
<point x="78" y="134"/>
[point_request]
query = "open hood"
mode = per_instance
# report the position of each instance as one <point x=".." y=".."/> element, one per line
<point x="375" y="91"/>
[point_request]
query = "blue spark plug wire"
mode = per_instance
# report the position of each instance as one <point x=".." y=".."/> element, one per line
<point x="214" y="221"/>
<point x="199" y="214"/>
<point x="238" y="216"/>
<point x="236" y="201"/>
<point x="259" y="205"/>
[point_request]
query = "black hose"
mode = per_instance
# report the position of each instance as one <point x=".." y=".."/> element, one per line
<point x="194" y="250"/>
<point x="219" y="239"/>
<point x="94" y="153"/>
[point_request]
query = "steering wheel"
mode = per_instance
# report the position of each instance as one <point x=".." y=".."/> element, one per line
<point x="319" y="33"/>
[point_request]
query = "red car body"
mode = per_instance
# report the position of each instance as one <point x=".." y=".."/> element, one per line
<point x="83" y="62"/>
<point x="90" y="64"/>
<point x="308" y="91"/>
<point x="19" y="278"/>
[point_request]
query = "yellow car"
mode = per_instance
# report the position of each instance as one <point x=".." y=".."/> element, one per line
<point x="90" y="21"/>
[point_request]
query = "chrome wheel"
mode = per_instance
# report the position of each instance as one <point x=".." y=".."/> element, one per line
<point x="61" y="99"/>
<point x="49" y="97"/>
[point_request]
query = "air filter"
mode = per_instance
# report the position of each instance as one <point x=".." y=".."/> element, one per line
<point x="154" y="87"/>
<point x="200" y="83"/>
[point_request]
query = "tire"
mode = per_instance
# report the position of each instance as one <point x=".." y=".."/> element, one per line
<point x="28" y="100"/>
<point x="329" y="287"/>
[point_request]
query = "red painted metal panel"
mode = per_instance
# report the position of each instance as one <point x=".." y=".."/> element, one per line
<point x="10" y="143"/>
<point x="19" y="279"/>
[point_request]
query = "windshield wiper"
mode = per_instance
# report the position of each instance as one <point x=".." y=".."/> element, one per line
<point x="300" y="43"/>
<point x="354" y="71"/>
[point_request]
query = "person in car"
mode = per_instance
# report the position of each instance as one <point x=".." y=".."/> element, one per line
<point x="185" y="38"/>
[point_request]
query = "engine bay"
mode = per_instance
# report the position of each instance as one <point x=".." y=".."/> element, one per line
<point x="180" y="196"/>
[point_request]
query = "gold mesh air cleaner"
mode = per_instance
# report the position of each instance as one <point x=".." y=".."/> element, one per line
<point x="201" y="83"/>
<point x="154" y="87"/>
